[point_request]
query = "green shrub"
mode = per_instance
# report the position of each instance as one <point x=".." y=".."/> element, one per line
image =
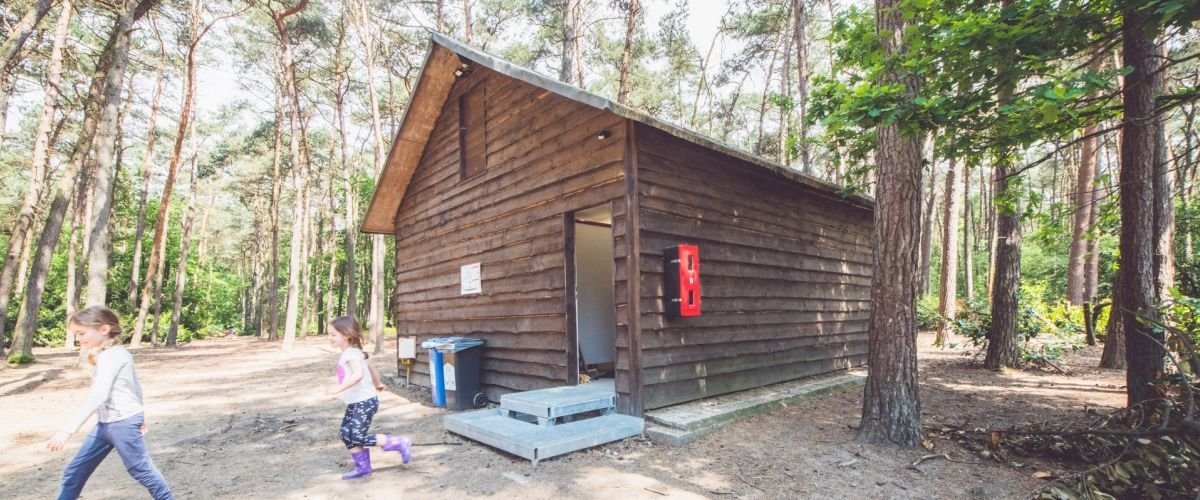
<point x="927" y="312"/>
<point x="17" y="358"/>
<point x="1056" y="324"/>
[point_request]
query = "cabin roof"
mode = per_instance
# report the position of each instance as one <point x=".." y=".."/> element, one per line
<point x="433" y="86"/>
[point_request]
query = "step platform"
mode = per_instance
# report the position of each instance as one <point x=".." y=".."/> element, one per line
<point x="549" y="422"/>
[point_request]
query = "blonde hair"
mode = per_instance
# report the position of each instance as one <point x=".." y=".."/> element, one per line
<point x="96" y="317"/>
<point x="348" y="327"/>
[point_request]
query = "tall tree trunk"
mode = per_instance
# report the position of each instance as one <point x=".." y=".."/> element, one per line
<point x="927" y="234"/>
<point x="158" y="245"/>
<point x="948" y="299"/>
<point x="760" y="142"/>
<point x="799" y="22"/>
<point x="376" y="319"/>
<point x="103" y="168"/>
<point x="299" y="172"/>
<point x="1077" y="261"/>
<point x="1164" y="204"/>
<point x="158" y="274"/>
<point x="110" y="71"/>
<point x="1003" y="350"/>
<point x="968" y="242"/>
<point x="468" y="21"/>
<point x="350" y="180"/>
<point x="184" y="243"/>
<point x="19" y="238"/>
<point x="633" y="10"/>
<point x="147" y="174"/>
<point x="20" y="33"/>
<point x="276" y="199"/>
<point x="571" y="70"/>
<point x="1143" y="348"/>
<point x="891" y="412"/>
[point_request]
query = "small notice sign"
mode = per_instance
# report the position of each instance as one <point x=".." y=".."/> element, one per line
<point x="472" y="279"/>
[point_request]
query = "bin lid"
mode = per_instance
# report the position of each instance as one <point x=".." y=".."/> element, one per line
<point x="452" y="344"/>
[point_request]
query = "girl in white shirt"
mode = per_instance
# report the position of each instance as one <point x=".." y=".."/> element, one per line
<point x="116" y="398"/>
<point x="357" y="388"/>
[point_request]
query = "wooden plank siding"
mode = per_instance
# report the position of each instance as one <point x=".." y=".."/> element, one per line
<point x="542" y="160"/>
<point x="785" y="274"/>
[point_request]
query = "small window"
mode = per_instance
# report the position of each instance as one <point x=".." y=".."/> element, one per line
<point x="472" y="143"/>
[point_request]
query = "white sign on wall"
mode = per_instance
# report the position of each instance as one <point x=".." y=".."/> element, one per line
<point x="472" y="279"/>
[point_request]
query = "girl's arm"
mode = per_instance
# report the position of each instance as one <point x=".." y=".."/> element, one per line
<point x="356" y="374"/>
<point x="102" y="385"/>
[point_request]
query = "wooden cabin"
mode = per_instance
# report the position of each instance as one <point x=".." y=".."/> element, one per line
<point x="534" y="215"/>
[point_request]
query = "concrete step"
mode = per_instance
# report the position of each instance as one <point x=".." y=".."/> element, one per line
<point x="549" y="404"/>
<point x="687" y="422"/>
<point x="536" y="442"/>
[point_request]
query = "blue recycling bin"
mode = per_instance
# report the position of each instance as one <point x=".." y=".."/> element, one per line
<point x="457" y="354"/>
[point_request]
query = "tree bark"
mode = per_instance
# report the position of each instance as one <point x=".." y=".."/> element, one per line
<point x="927" y="234"/>
<point x="948" y="297"/>
<point x="299" y="171"/>
<point x="147" y="174"/>
<point x="22" y="228"/>
<point x="20" y="33"/>
<point x="350" y="180"/>
<point x="968" y="242"/>
<point x="800" y="15"/>
<point x="103" y="168"/>
<point x="110" y="71"/>
<point x="891" y="412"/>
<point x="276" y="200"/>
<point x="1143" y="348"/>
<point x="182" y="267"/>
<point x="468" y="21"/>
<point x="1164" y="201"/>
<point x="633" y="9"/>
<point x="1077" y="261"/>
<point x="1003" y="349"/>
<point x="571" y="70"/>
<point x="164" y="207"/>
<point x="376" y="318"/>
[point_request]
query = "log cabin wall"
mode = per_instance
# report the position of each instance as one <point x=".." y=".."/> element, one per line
<point x="785" y="274"/>
<point x="543" y="159"/>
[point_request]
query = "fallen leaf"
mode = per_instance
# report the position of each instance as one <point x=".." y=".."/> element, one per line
<point x="1043" y="474"/>
<point x="927" y="444"/>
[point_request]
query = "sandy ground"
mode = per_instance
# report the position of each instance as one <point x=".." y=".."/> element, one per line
<point x="238" y="418"/>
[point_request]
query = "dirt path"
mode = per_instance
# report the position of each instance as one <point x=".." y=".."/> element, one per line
<point x="237" y="418"/>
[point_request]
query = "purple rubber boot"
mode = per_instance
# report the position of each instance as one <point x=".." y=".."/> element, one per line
<point x="362" y="464"/>
<point x="400" y="444"/>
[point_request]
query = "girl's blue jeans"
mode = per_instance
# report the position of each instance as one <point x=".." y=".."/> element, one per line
<point x="126" y="437"/>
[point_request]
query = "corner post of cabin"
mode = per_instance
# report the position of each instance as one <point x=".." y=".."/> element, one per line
<point x="633" y="237"/>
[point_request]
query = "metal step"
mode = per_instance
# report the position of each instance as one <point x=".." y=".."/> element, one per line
<point x="536" y="442"/>
<point x="549" y="404"/>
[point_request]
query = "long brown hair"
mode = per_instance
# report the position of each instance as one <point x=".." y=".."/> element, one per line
<point x="348" y="327"/>
<point x="96" y="317"/>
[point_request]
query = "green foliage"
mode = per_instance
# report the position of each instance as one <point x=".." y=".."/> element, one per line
<point x="927" y="312"/>
<point x="17" y="358"/>
<point x="1058" y="326"/>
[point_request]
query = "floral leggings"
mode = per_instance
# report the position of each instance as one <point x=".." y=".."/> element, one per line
<point x="357" y="423"/>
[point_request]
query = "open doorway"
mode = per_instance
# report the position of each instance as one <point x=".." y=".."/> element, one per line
<point x="590" y="268"/>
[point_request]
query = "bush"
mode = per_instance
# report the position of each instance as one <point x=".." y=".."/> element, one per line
<point x="1034" y="318"/>
<point x="927" y="312"/>
<point x="17" y="358"/>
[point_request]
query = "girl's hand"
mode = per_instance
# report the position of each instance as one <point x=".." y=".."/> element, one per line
<point x="333" y="390"/>
<point x="144" y="428"/>
<point x="58" y="441"/>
